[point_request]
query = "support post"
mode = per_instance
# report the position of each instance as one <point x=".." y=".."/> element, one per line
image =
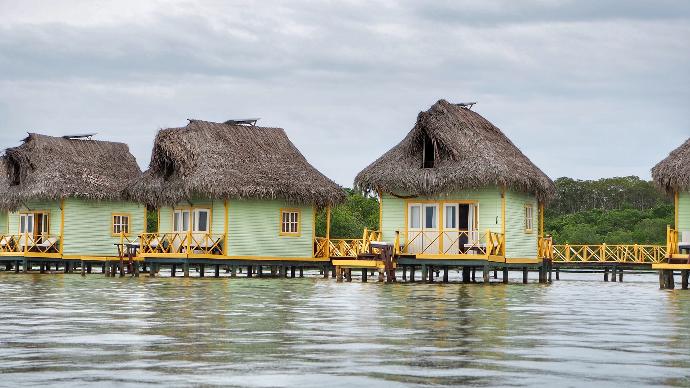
<point x="364" y="275"/>
<point x="233" y="271"/>
<point x="558" y="274"/>
<point x="185" y="269"/>
<point x="425" y="271"/>
<point x="606" y="274"/>
<point x="301" y="272"/>
<point x="445" y="274"/>
<point x="83" y="268"/>
<point x="249" y="271"/>
<point x="613" y="274"/>
<point x="173" y="270"/>
<point x="620" y="275"/>
<point x="412" y="274"/>
<point x="684" y="279"/>
<point x="525" y="275"/>
<point x="217" y="273"/>
<point x="404" y="273"/>
<point x="338" y="274"/>
<point x="486" y="274"/>
<point x="505" y="275"/>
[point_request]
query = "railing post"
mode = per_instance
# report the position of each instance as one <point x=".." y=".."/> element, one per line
<point x="602" y="254"/>
<point x="396" y="248"/>
<point x="567" y="252"/>
<point x="637" y="254"/>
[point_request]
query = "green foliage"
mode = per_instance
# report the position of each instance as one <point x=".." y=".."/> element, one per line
<point x="151" y="220"/>
<point x="625" y="210"/>
<point x="349" y="219"/>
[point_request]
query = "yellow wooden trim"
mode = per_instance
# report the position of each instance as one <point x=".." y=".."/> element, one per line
<point x="18" y="254"/>
<point x="62" y="225"/>
<point x="680" y="256"/>
<point x="675" y="212"/>
<point x="226" y="227"/>
<point x="523" y="260"/>
<point x="112" y="224"/>
<point x="503" y="220"/>
<point x="273" y="258"/>
<point x="541" y="219"/>
<point x="313" y="226"/>
<point x="146" y="218"/>
<point x="380" y="214"/>
<point x="670" y="266"/>
<point x="299" y="222"/>
<point x="158" y="224"/>
<point x="97" y="258"/>
<point x="42" y="254"/>
<point x="462" y="256"/>
<point x="359" y="263"/>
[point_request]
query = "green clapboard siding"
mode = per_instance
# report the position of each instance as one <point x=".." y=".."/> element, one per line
<point x="165" y="215"/>
<point x="684" y="211"/>
<point x="519" y="243"/>
<point x="4" y="226"/>
<point x="52" y="207"/>
<point x="488" y="208"/>
<point x="88" y="226"/>
<point x="254" y="230"/>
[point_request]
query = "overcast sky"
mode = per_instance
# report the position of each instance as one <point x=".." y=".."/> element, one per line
<point x="586" y="89"/>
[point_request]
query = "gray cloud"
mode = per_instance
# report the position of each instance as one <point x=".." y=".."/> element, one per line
<point x="586" y="89"/>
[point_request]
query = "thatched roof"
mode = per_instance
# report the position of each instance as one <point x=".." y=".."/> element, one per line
<point x="470" y="152"/>
<point x="225" y="161"/>
<point x="673" y="173"/>
<point x="51" y="168"/>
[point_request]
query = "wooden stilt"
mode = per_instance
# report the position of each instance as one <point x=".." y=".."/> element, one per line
<point x="333" y="272"/>
<point x="558" y="274"/>
<point x="606" y="274"/>
<point x="381" y="276"/>
<point x="66" y="270"/>
<point x="292" y="271"/>
<point x="202" y="270"/>
<point x="465" y="274"/>
<point x="364" y="275"/>
<point x="83" y="269"/>
<point x="217" y="273"/>
<point x="613" y="274"/>
<point x="185" y="269"/>
<point x="348" y="274"/>
<point x="445" y="274"/>
<point x="325" y="272"/>
<point x="525" y="275"/>
<point x="474" y="274"/>
<point x="505" y="275"/>
<point x="486" y="275"/>
<point x="260" y="271"/>
<point x="173" y="270"/>
<point x="404" y="273"/>
<point x="620" y="275"/>
<point x="425" y="274"/>
<point x="412" y="279"/>
<point x="136" y="269"/>
<point x="431" y="274"/>
<point x="549" y="269"/>
<point x="16" y="266"/>
<point x="338" y="274"/>
<point x="301" y="272"/>
<point x="684" y="279"/>
<point x="249" y="271"/>
<point x="233" y="271"/>
<point x="670" y="282"/>
<point x="495" y="273"/>
<point x="88" y="267"/>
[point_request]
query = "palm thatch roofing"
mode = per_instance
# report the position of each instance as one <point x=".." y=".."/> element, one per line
<point x="470" y="152"/>
<point x="229" y="161"/>
<point x="51" y="168"/>
<point x="673" y="173"/>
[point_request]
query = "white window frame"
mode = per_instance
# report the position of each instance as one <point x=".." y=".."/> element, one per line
<point x="120" y="224"/>
<point x="195" y="220"/>
<point x="529" y="218"/>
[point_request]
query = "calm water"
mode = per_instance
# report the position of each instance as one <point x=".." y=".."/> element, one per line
<point x="71" y="331"/>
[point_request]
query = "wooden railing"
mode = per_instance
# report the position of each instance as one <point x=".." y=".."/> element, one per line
<point x="449" y="243"/>
<point x="27" y="243"/>
<point x="338" y="247"/>
<point x="182" y="243"/>
<point x="605" y="253"/>
<point x="545" y="248"/>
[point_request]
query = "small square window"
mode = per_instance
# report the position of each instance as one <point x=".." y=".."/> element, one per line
<point x="120" y="224"/>
<point x="289" y="222"/>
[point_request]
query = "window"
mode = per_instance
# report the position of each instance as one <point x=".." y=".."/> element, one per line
<point x="529" y="218"/>
<point x="289" y="222"/>
<point x="429" y="153"/>
<point x="120" y="224"/>
<point x="181" y="221"/>
<point x="200" y="220"/>
<point x="34" y="223"/>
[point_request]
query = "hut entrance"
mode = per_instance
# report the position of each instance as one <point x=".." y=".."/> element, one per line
<point x="442" y="228"/>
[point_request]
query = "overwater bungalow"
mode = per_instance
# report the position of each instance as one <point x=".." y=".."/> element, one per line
<point x="64" y="198"/>
<point x="672" y="175"/>
<point x="232" y="191"/>
<point x="457" y="190"/>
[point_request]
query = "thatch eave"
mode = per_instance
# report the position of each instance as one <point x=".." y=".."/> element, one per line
<point x="672" y="174"/>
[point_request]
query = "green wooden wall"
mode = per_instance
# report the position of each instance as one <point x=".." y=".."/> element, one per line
<point x="519" y="243"/>
<point x="4" y="227"/>
<point x="253" y="227"/>
<point x="684" y="211"/>
<point x="88" y="226"/>
<point x="254" y="230"/>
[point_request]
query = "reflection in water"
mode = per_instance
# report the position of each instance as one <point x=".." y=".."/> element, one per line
<point x="71" y="330"/>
